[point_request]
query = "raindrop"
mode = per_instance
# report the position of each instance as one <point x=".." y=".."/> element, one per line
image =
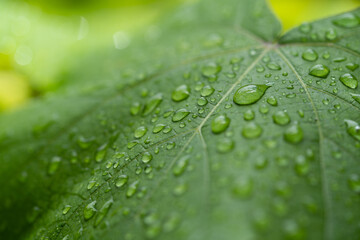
<point x="310" y="55"/>
<point x="140" y="132"/>
<point x="181" y="165"/>
<point x="225" y="145"/>
<point x="252" y="130"/>
<point x="320" y="71"/>
<point x="272" y="101"/>
<point x="101" y="152"/>
<point x="352" y="66"/>
<point x="121" y="181"/>
<point x="202" y="101"/>
<point x="132" y="189"/>
<point x="347" y="20"/>
<point x="294" y="134"/>
<point x="158" y="128"/>
<point x="349" y="80"/>
<point x="220" y="124"/>
<point x="207" y="91"/>
<point x="356" y="97"/>
<point x="89" y="210"/>
<point x="181" y="93"/>
<point x="281" y="118"/>
<point x="152" y="103"/>
<point x="54" y="165"/>
<point x="180" y="115"/>
<point x="330" y="34"/>
<point x="354" y="183"/>
<point x="146" y="158"/>
<point x="66" y="209"/>
<point x="135" y="108"/>
<point x="353" y="129"/>
<point x="273" y="66"/>
<point x="211" y="69"/>
<point x="249" y="94"/>
<point x="249" y="115"/>
<point x="103" y="211"/>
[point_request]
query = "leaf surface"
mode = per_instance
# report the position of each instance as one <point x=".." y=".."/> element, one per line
<point x="215" y="127"/>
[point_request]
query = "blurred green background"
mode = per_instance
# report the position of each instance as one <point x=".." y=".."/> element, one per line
<point x="39" y="39"/>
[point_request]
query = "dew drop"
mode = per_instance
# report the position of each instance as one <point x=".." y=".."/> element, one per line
<point x="352" y="66"/>
<point x="181" y="165"/>
<point x="252" y="130"/>
<point x="249" y="115"/>
<point x="225" y="145"/>
<point x="273" y="66"/>
<point x="207" y="91"/>
<point x="147" y="157"/>
<point x="54" y="165"/>
<point x="135" y="108"/>
<point x="294" y="134"/>
<point x="101" y="153"/>
<point x="152" y="104"/>
<point x="103" y="212"/>
<point x="353" y="129"/>
<point x="272" y="101"/>
<point x="220" y="124"/>
<point x="140" y="132"/>
<point x="181" y="93"/>
<point x="354" y="183"/>
<point x="242" y="187"/>
<point x="349" y="80"/>
<point x="249" y="94"/>
<point x="320" y="71"/>
<point x="180" y="115"/>
<point x="211" y="69"/>
<point x="356" y="97"/>
<point x="330" y="34"/>
<point x="66" y="209"/>
<point x="132" y="189"/>
<point x="158" y="127"/>
<point x="347" y="20"/>
<point x="310" y="55"/>
<point x="202" y="101"/>
<point x="121" y="181"/>
<point x="281" y="118"/>
<point x="89" y="210"/>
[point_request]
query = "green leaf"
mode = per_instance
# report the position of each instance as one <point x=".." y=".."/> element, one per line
<point x="112" y="155"/>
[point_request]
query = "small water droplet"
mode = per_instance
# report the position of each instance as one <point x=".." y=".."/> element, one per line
<point x="242" y="187"/>
<point x="356" y="97"/>
<point x="135" y="108"/>
<point x="146" y="158"/>
<point x="320" y="71"/>
<point x="66" y="209"/>
<point x="121" y="181"/>
<point x="89" y="210"/>
<point x="202" y="101"/>
<point x="181" y="165"/>
<point x="152" y="104"/>
<point x="347" y="20"/>
<point x="249" y="115"/>
<point x="132" y="189"/>
<point x="225" y="145"/>
<point x="305" y="27"/>
<point x="103" y="211"/>
<point x="352" y="66"/>
<point x="220" y="124"/>
<point x="140" y="132"/>
<point x="272" y="101"/>
<point x="207" y="91"/>
<point x="101" y="153"/>
<point x="211" y="69"/>
<point x="294" y="134"/>
<point x="330" y="34"/>
<point x="252" y="130"/>
<point x="54" y="165"/>
<point x="353" y="129"/>
<point x="180" y="115"/>
<point x="249" y="94"/>
<point x="281" y="118"/>
<point x="354" y="183"/>
<point x="91" y="184"/>
<point x="349" y="80"/>
<point x="181" y="93"/>
<point x="310" y="55"/>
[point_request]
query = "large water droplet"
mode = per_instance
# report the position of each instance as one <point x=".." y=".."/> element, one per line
<point x="121" y="181"/>
<point x="181" y="93"/>
<point x="353" y="129"/>
<point x="320" y="71"/>
<point x="89" y="210"/>
<point x="220" y="124"/>
<point x="103" y="211"/>
<point x="251" y="130"/>
<point x="310" y="55"/>
<point x="349" y="80"/>
<point x="181" y="165"/>
<point x="249" y="94"/>
<point x="281" y="118"/>
<point x="347" y="20"/>
<point x="152" y="103"/>
<point x="294" y="134"/>
<point x="140" y="132"/>
<point x="180" y="115"/>
<point x="132" y="189"/>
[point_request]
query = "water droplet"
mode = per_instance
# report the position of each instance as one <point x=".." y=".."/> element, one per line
<point x="152" y="103"/>
<point x="158" y="128"/>
<point x="352" y="66"/>
<point x="101" y="153"/>
<point x="211" y="69"/>
<point x="180" y="189"/>
<point x="180" y="115"/>
<point x="103" y="211"/>
<point x="249" y="94"/>
<point x="349" y="80"/>
<point x="181" y="93"/>
<point x="66" y="209"/>
<point x="354" y="183"/>
<point x="85" y="143"/>
<point x="132" y="144"/>
<point x="121" y="181"/>
<point x="146" y="158"/>
<point x="310" y="55"/>
<point x="261" y="162"/>
<point x="330" y="34"/>
<point x="225" y="145"/>
<point x="356" y="97"/>
<point x="202" y="101"/>
<point x="242" y="187"/>
<point x="249" y="115"/>
<point x="347" y="20"/>
<point x="181" y="165"/>
<point x="252" y="130"/>
<point x="132" y="189"/>
<point x="272" y="101"/>
<point x="91" y="184"/>
<point x="140" y="132"/>
<point x="294" y="134"/>
<point x="305" y="27"/>
<point x="281" y="118"/>
<point x="353" y="129"/>
<point x="207" y="91"/>
<point x="54" y="165"/>
<point x="167" y="129"/>
<point x="89" y="210"/>
<point x="135" y="108"/>
<point x="301" y="165"/>
<point x="320" y="71"/>
<point x="220" y="124"/>
<point x="273" y="66"/>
